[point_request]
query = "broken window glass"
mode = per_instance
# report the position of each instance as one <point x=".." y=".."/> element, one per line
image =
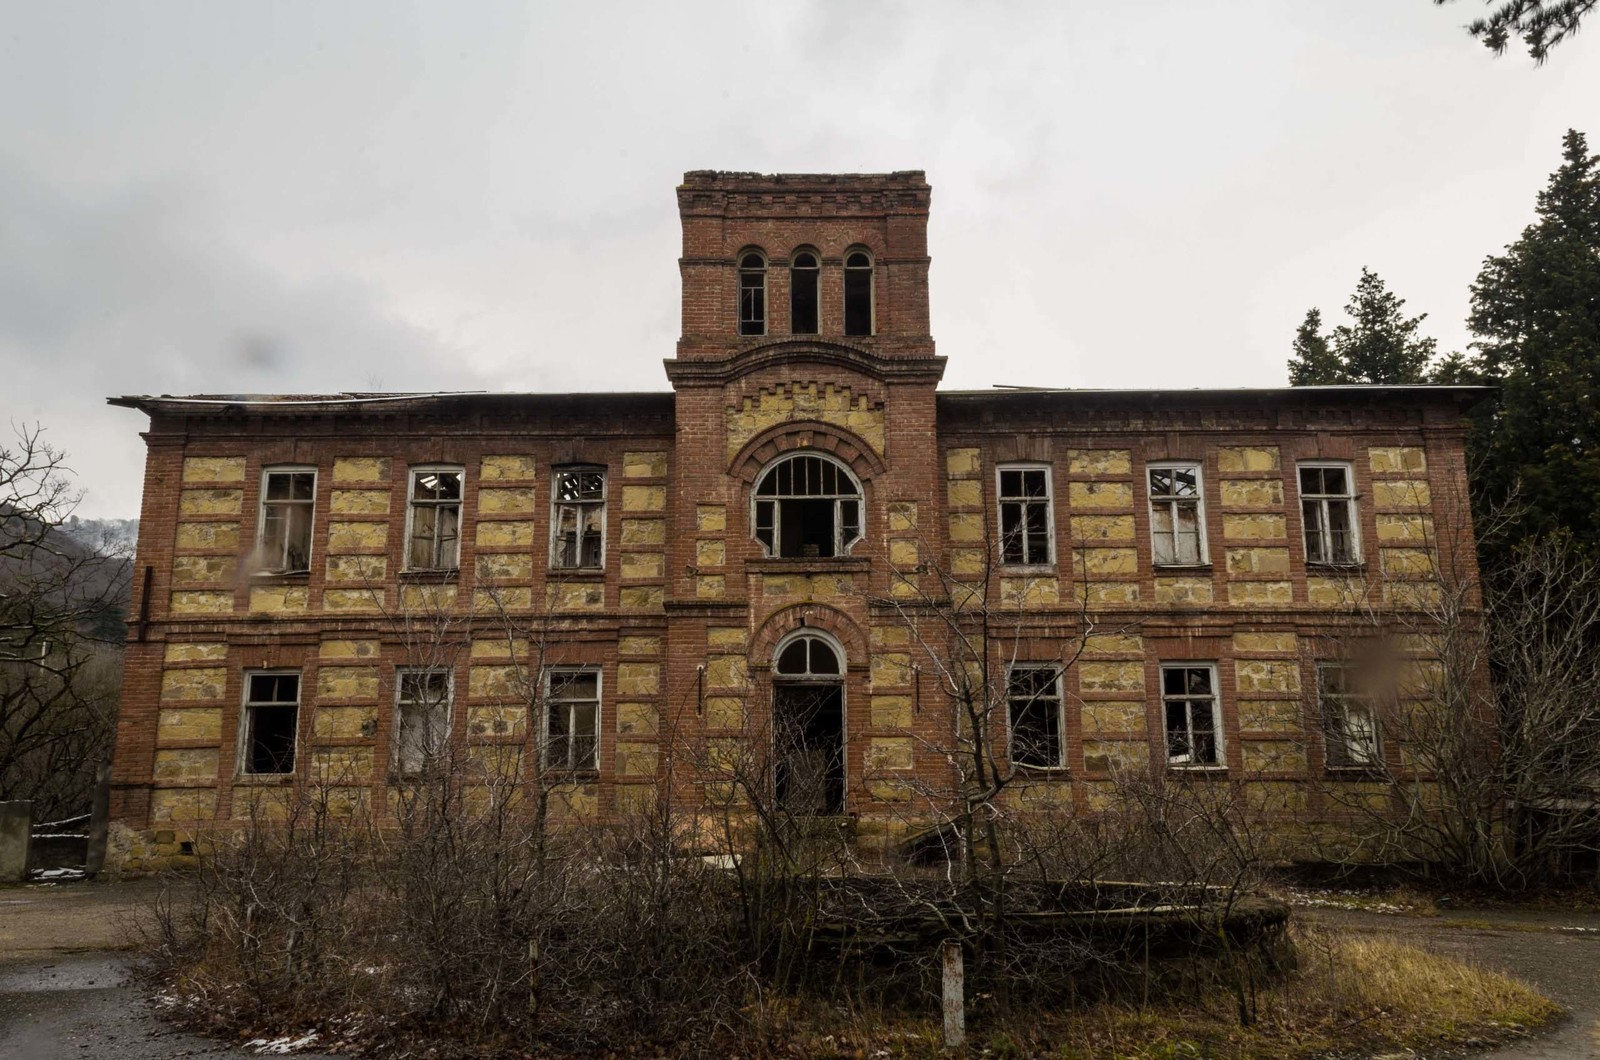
<point x="1176" y="531"/>
<point x="422" y="719"/>
<point x="288" y="502"/>
<point x="435" y="523"/>
<point x="807" y="506"/>
<point x="1193" y="715"/>
<point x="1033" y="703"/>
<point x="1350" y="730"/>
<point x="1328" y="508"/>
<point x="857" y="293"/>
<point x="577" y="535"/>
<point x="572" y="710"/>
<point x="804" y="290"/>
<point x="752" y="295"/>
<point x="271" y="714"/>
<point x="1025" y="538"/>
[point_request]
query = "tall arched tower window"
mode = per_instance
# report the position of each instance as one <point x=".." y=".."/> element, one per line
<point x="752" y="294"/>
<point x="804" y="289"/>
<point x="807" y="505"/>
<point x="857" y="293"/>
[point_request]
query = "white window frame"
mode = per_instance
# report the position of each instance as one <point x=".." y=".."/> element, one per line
<point x="550" y="673"/>
<point x="411" y="488"/>
<point x="556" y="504"/>
<point x="1351" y="498"/>
<point x="247" y="721"/>
<point x="844" y="292"/>
<point x="1049" y="516"/>
<point x="1171" y="501"/>
<point x="1340" y="714"/>
<point x="1216" y="716"/>
<point x="261" y="514"/>
<point x="400" y="674"/>
<point x="1061" y="716"/>
<point x="841" y="546"/>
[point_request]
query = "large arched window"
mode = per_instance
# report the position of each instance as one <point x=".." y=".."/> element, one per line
<point x="804" y="289"/>
<point x="857" y="293"/>
<point x="752" y="294"/>
<point x="808" y="724"/>
<point x="807" y="505"/>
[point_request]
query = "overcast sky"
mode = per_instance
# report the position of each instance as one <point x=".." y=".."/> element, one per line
<point x="316" y="196"/>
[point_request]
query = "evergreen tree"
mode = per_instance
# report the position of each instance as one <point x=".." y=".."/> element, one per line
<point x="1536" y="316"/>
<point x="1542" y="24"/>
<point x="1379" y="345"/>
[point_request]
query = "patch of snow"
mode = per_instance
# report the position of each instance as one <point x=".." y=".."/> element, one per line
<point x="43" y="875"/>
<point x="281" y="1046"/>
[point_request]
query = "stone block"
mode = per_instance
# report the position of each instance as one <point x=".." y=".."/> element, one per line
<point x="347" y="682"/>
<point x="1273" y="756"/>
<point x="644" y="465"/>
<point x="1099" y="462"/>
<point x="1408" y="561"/>
<point x="352" y="537"/>
<point x="903" y="553"/>
<point x="211" y="502"/>
<point x="902" y="516"/>
<point x="203" y="570"/>
<point x="1102" y="561"/>
<point x="187" y="763"/>
<point x="891" y="712"/>
<point x="353" y="600"/>
<point x="1038" y="591"/>
<point x="710" y="586"/>
<point x="1269" y="715"/>
<point x="1258" y="594"/>
<point x="968" y="561"/>
<point x="1183" y="591"/>
<point x="966" y="526"/>
<point x="364" y="570"/>
<point x="178" y="685"/>
<point x="643" y="532"/>
<point x="339" y="722"/>
<point x="637" y="759"/>
<point x="639" y="565"/>
<point x="710" y="518"/>
<point x="428" y="597"/>
<point x="1102" y="528"/>
<point x="891" y="752"/>
<point x="1107" y="756"/>
<point x="575" y="596"/>
<point x="182" y="805"/>
<point x="966" y="493"/>
<point x="1254" y="527"/>
<point x="710" y="553"/>
<point x="726" y="637"/>
<point x="638" y="679"/>
<point x="502" y="719"/>
<point x="519" y="500"/>
<point x="199" y="536"/>
<point x="641" y="597"/>
<point x="960" y="463"/>
<point x="1401" y="493"/>
<point x="1252" y="493"/>
<point x="359" y="502"/>
<point x="1266" y="675"/>
<point x="1113" y="644"/>
<point x="505" y="534"/>
<point x="499" y="682"/>
<point x="1405" y="529"/>
<point x="891" y="669"/>
<point x="1414" y="596"/>
<point x="1258" y="643"/>
<point x="1108" y="594"/>
<point x="508" y="468"/>
<point x="213" y="469"/>
<point x="1258" y="560"/>
<point x="724" y="712"/>
<point x="1234" y="458"/>
<point x="505" y="566"/>
<point x="1121" y="718"/>
<point x="1334" y="592"/>
<point x="1385" y="459"/>
<point x="644" y="498"/>
<point x="360" y="469"/>
<point x="1101" y="676"/>
<point x="638" y="719"/>
<point x="340" y="765"/>
<point x="1100" y="494"/>
<point x="182" y="653"/>
<point x="638" y="644"/>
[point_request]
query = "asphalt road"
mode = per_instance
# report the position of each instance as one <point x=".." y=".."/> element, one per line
<point x="64" y="990"/>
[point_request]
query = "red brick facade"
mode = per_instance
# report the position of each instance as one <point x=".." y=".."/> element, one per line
<point x="684" y="612"/>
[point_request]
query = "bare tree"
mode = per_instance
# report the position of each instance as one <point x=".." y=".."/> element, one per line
<point x="61" y="621"/>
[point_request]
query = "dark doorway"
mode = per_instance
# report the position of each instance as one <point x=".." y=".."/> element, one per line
<point x="809" y="734"/>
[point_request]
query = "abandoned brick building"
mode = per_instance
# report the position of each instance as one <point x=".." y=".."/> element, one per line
<point x="744" y="547"/>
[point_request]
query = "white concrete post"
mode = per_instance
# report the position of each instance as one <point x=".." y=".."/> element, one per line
<point x="955" y="1009"/>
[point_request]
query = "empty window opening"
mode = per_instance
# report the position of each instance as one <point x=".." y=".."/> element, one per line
<point x="271" y="716"/>
<point x="807" y="506"/>
<point x="808" y="715"/>
<point x="572" y="708"/>
<point x="1177" y="529"/>
<point x="1349" y="726"/>
<point x="1328" y="506"/>
<point x="435" y="519"/>
<point x="422" y="720"/>
<point x="857" y="293"/>
<point x="1025" y="537"/>
<point x="577" y="525"/>
<point x="1193" y="719"/>
<point x="1033" y="702"/>
<point x="804" y="290"/>
<point x="752" y="295"/>
<point x="288" y="502"/>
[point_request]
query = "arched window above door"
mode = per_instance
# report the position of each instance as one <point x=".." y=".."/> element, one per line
<point x="807" y="506"/>
<point x="808" y="655"/>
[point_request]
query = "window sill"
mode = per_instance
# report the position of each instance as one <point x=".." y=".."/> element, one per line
<point x="431" y="574"/>
<point x="578" y="574"/>
<point x="1038" y="569"/>
<point x="786" y="564"/>
<point x="265" y="779"/>
<point x="1043" y="772"/>
<point x="1358" y="567"/>
<point x="1179" y="767"/>
<point x="290" y="576"/>
<point x="1182" y="568"/>
<point x="570" y="776"/>
<point x="1357" y="773"/>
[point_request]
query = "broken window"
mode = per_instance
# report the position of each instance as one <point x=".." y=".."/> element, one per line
<point x="1328" y="506"/>
<point x="1193" y="714"/>
<point x="752" y="295"/>
<point x="421" y="719"/>
<point x="271" y="715"/>
<point x="1349" y="726"/>
<point x="857" y="293"/>
<point x="807" y="506"/>
<point x="434" y="527"/>
<point x="1177" y="528"/>
<point x="288" y="502"/>
<point x="578" y="521"/>
<point x="1033" y="702"/>
<point x="1025" y="519"/>
<point x="572" y="708"/>
<point x="804" y="290"/>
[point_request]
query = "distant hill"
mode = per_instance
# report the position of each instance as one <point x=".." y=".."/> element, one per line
<point x="104" y="535"/>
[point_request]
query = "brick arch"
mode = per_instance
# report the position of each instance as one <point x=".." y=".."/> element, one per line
<point x="787" y="620"/>
<point x="813" y="435"/>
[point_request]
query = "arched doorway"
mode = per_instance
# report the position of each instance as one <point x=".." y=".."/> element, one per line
<point x="808" y="723"/>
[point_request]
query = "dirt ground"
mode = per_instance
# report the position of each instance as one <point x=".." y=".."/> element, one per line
<point x="64" y="992"/>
